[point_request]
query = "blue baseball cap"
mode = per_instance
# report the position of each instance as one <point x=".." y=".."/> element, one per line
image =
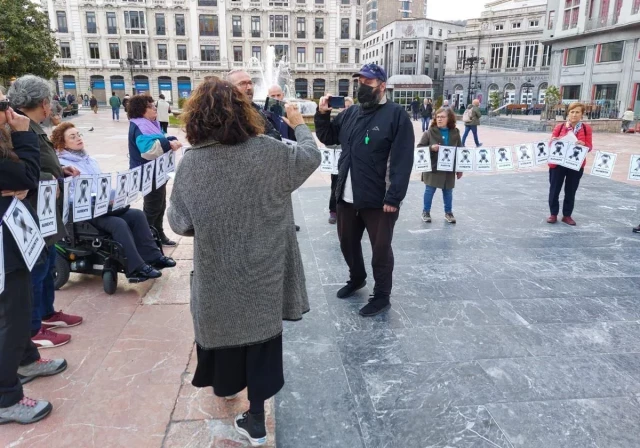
<point x="372" y="71"/>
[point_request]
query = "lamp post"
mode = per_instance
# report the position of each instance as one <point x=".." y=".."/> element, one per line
<point x="527" y="88"/>
<point x="131" y="63"/>
<point x="471" y="61"/>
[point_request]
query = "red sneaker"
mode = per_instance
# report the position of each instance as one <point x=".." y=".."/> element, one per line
<point x="48" y="339"/>
<point x="552" y="219"/>
<point x="568" y="220"/>
<point x="59" y="319"/>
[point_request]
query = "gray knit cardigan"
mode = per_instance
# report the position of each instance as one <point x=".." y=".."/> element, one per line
<point x="236" y="202"/>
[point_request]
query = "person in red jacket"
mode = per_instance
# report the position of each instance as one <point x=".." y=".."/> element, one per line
<point x="559" y="175"/>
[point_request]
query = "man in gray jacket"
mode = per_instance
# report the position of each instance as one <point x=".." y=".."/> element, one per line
<point x="473" y="114"/>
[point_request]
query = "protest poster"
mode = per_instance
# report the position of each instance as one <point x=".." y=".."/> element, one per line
<point x="103" y="194"/>
<point x="171" y="161"/>
<point x="336" y="158"/>
<point x="575" y="156"/>
<point x="484" y="159"/>
<point x="134" y="184"/>
<point x="542" y="152"/>
<point x="25" y="232"/>
<point x="525" y="156"/>
<point x="1" y="261"/>
<point x="121" y="190"/>
<point x="148" y="171"/>
<point x="464" y="160"/>
<point x="161" y="170"/>
<point x="326" y="163"/>
<point x="47" y="192"/>
<point x="634" y="167"/>
<point x="65" y="199"/>
<point x="603" y="164"/>
<point x="558" y="152"/>
<point x="82" y="197"/>
<point x="504" y="158"/>
<point x="422" y="160"/>
<point x="446" y="158"/>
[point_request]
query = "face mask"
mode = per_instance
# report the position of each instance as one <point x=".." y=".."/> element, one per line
<point x="368" y="96"/>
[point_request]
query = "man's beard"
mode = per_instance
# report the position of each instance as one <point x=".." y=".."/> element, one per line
<point x="374" y="102"/>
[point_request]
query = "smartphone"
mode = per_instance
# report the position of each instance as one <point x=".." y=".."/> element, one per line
<point x="274" y="106"/>
<point x="336" y="102"/>
<point x="4" y="105"/>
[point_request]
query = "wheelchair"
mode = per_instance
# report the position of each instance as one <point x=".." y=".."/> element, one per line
<point x="88" y="250"/>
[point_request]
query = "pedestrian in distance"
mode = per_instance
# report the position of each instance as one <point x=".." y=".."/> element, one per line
<point x="115" y="104"/>
<point x="471" y="119"/>
<point x="377" y="141"/>
<point x="93" y="103"/>
<point x="426" y="111"/>
<point x="627" y="119"/>
<point x="415" y="107"/>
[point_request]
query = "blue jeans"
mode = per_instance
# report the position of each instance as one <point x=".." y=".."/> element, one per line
<point x="43" y="290"/>
<point x="425" y="123"/>
<point x="447" y="198"/>
<point x="474" y="129"/>
<point x="115" y="113"/>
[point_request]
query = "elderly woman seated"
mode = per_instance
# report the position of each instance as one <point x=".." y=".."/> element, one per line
<point x="130" y="228"/>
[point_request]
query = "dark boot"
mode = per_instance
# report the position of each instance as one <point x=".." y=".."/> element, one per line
<point x="252" y="427"/>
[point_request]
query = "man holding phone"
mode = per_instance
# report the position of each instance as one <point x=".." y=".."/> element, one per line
<point x="274" y="111"/>
<point x="377" y="141"/>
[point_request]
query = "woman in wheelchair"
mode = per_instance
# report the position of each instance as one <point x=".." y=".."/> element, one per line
<point x="130" y="229"/>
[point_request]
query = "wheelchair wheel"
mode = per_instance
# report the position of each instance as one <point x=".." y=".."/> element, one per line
<point x="61" y="272"/>
<point x="110" y="281"/>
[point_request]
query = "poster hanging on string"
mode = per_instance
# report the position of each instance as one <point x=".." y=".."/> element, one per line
<point x="336" y="158"/>
<point x="103" y="194"/>
<point x="1" y="260"/>
<point x="25" y="232"/>
<point x="484" y="160"/>
<point x="326" y="163"/>
<point x="134" y="184"/>
<point x="603" y="164"/>
<point x="121" y="190"/>
<point x="634" y="167"/>
<point x="575" y="156"/>
<point x="542" y="152"/>
<point x="148" y="171"/>
<point x="82" y="197"/>
<point x="65" y="199"/>
<point x="171" y="161"/>
<point x="504" y="158"/>
<point x="464" y="160"/>
<point x="446" y="158"/>
<point x="47" y="192"/>
<point x="525" y="156"/>
<point x="422" y="160"/>
<point x="557" y="152"/>
<point x="161" y="170"/>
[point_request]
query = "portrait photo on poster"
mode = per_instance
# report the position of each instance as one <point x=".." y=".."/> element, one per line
<point x="574" y="157"/>
<point x="25" y="232"/>
<point x="541" y="152"/>
<point x="134" y="184"/>
<point x="148" y="171"/>
<point x="484" y="159"/>
<point x="336" y="159"/>
<point x="446" y="158"/>
<point x="422" y="160"/>
<point x="557" y="152"/>
<point x="82" y="203"/>
<point x="161" y="170"/>
<point x="525" y="156"/>
<point x="121" y="190"/>
<point x="464" y="160"/>
<point x="504" y="158"/>
<point x="603" y="164"/>
<point x="634" y="167"/>
<point x="65" y="199"/>
<point x="103" y="194"/>
<point x="47" y="211"/>
<point x="326" y="162"/>
<point x="171" y="161"/>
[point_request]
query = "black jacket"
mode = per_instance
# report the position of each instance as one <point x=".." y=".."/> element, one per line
<point x="380" y="170"/>
<point x="18" y="175"/>
<point x="426" y="111"/>
<point x="268" y="126"/>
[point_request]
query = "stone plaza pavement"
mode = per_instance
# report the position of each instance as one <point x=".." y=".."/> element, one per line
<point x="504" y="331"/>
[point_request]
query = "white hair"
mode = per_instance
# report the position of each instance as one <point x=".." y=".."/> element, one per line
<point x="29" y="91"/>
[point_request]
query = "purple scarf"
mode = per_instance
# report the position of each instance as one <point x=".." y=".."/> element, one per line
<point x="146" y="126"/>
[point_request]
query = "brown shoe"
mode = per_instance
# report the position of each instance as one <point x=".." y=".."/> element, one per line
<point x="552" y="219"/>
<point x="450" y="218"/>
<point x="568" y="220"/>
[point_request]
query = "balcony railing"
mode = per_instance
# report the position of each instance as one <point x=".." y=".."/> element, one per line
<point x="601" y="22"/>
<point x="319" y="35"/>
<point x="65" y="61"/>
<point x="237" y="32"/>
<point x="63" y="30"/>
<point x="301" y="35"/>
<point x="95" y="62"/>
<point x="255" y="33"/>
<point x="181" y="64"/>
<point x="112" y="30"/>
<point x="92" y="29"/>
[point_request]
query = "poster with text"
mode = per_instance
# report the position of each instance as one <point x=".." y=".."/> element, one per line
<point x="542" y="152"/>
<point x="336" y="158"/>
<point x="446" y="158"/>
<point x="326" y="163"/>
<point x="484" y="159"/>
<point x="603" y="164"/>
<point x="575" y="156"/>
<point x="82" y="197"/>
<point x="525" y="156"/>
<point x="134" y="184"/>
<point x="171" y="161"/>
<point x="634" y="167"/>
<point x="1" y="261"/>
<point x="25" y="232"/>
<point x="464" y="160"/>
<point x="557" y="152"/>
<point x="161" y="170"/>
<point x="47" y="207"/>
<point x="65" y="199"/>
<point x="103" y="194"/>
<point x="504" y="158"/>
<point x="121" y="190"/>
<point x="422" y="160"/>
<point x="148" y="171"/>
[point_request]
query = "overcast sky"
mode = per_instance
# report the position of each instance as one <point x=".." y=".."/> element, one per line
<point x="454" y="9"/>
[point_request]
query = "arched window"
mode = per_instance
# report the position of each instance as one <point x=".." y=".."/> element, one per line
<point x="343" y="87"/>
<point x="318" y="88"/>
<point x="302" y="88"/>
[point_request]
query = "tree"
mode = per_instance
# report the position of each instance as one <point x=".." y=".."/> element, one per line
<point x="494" y="99"/>
<point x="551" y="100"/>
<point x="27" y="44"/>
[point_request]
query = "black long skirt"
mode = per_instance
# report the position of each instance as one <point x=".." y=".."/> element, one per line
<point x="256" y="367"/>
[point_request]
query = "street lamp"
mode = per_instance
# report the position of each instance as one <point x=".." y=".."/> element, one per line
<point x="527" y="88"/>
<point x="131" y="63"/>
<point x="470" y="62"/>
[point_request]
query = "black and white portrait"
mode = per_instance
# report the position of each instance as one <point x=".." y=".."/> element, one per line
<point x="559" y="149"/>
<point x="524" y="152"/>
<point x="542" y="149"/>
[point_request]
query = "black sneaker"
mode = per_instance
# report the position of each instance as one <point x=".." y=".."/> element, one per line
<point x="164" y="239"/>
<point x="146" y="271"/>
<point x="375" y="306"/>
<point x="349" y="289"/>
<point x="252" y="427"/>
<point x="164" y="262"/>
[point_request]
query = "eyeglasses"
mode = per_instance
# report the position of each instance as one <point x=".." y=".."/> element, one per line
<point x="244" y="83"/>
<point x="441" y="117"/>
<point x="74" y="137"/>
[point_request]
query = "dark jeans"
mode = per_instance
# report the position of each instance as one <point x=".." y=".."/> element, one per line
<point x="474" y="129"/>
<point x="332" y="198"/>
<point x="131" y="229"/>
<point x="415" y="115"/>
<point x="16" y="348"/>
<point x="43" y="290"/>
<point x="115" y="113"/>
<point x="155" y="204"/>
<point x="379" y="226"/>
<point x="571" y="180"/>
<point x="425" y="123"/>
<point x="164" y="125"/>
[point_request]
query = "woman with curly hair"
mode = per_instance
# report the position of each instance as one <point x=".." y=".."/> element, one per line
<point x="232" y="193"/>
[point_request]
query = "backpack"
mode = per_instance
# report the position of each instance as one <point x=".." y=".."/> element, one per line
<point x="466" y="117"/>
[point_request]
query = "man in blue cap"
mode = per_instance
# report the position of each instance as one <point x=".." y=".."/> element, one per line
<point x="377" y="143"/>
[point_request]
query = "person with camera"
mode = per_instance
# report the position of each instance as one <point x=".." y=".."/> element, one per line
<point x="20" y="360"/>
<point x="276" y="115"/>
<point x="31" y="96"/>
<point x="377" y="141"/>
